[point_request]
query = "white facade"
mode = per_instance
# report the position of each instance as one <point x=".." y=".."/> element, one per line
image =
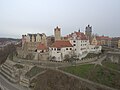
<point x="59" y="54"/>
<point x="81" y="47"/>
<point x="95" y="49"/>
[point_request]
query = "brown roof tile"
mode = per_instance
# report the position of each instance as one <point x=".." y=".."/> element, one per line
<point x="61" y="44"/>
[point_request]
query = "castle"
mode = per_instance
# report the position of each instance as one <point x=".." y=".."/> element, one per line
<point x="75" y="44"/>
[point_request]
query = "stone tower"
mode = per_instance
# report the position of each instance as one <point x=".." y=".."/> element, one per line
<point x="57" y="32"/>
<point x="88" y="32"/>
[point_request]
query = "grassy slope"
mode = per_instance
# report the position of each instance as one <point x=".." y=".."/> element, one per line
<point x="82" y="70"/>
<point x="97" y="74"/>
<point x="111" y="65"/>
<point x="54" y="80"/>
<point x="34" y="71"/>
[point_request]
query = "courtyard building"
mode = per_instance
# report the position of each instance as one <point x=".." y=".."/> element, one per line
<point x="80" y="44"/>
<point x="60" y="49"/>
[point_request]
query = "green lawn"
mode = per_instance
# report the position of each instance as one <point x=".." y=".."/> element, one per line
<point x="81" y="70"/>
<point x="105" y="76"/>
<point x="112" y="65"/>
<point x="34" y="71"/>
<point x="97" y="74"/>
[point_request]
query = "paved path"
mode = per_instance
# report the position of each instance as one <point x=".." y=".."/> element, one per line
<point x="109" y="52"/>
<point x="99" y="61"/>
<point x="112" y="69"/>
<point x="49" y="64"/>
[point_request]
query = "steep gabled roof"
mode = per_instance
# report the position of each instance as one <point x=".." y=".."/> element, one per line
<point x="61" y="44"/>
<point x="79" y="35"/>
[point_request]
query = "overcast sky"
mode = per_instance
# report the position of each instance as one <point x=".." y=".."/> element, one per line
<point x="19" y="17"/>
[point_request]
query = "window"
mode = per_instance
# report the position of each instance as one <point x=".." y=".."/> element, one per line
<point x="70" y="48"/>
<point x="66" y="48"/>
<point x="55" y="49"/>
<point x="74" y="44"/>
<point x="74" y="41"/>
<point x="58" y="49"/>
<point x="52" y="48"/>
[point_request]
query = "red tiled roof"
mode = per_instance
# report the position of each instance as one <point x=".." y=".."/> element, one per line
<point x="61" y="43"/>
<point x="80" y="35"/>
<point x="98" y="38"/>
<point x="41" y="47"/>
<point x="103" y="38"/>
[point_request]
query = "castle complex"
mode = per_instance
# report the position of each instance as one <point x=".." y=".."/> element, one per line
<point x="75" y="44"/>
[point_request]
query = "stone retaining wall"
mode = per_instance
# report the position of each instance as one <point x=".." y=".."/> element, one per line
<point x="32" y="55"/>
